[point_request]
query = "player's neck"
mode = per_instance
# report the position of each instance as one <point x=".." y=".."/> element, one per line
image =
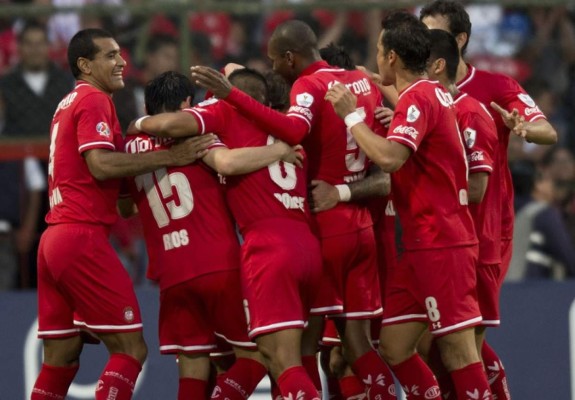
<point x="461" y="70"/>
<point x="94" y="83"/>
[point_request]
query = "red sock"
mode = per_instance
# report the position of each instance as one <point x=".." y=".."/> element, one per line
<point x="53" y="382"/>
<point x="119" y="378"/>
<point x="295" y="383"/>
<point x="446" y="387"/>
<point x="351" y="387"/>
<point x="310" y="365"/>
<point x="375" y="374"/>
<point x="416" y="378"/>
<point x="240" y="381"/>
<point x="471" y="383"/>
<point x="495" y="373"/>
<point x="189" y="388"/>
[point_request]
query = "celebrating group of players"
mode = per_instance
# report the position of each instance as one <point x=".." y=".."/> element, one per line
<point x="317" y="191"/>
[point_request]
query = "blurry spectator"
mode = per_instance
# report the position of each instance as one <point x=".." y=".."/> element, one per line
<point x="20" y="210"/>
<point x="30" y="93"/>
<point x="162" y="54"/>
<point x="542" y="246"/>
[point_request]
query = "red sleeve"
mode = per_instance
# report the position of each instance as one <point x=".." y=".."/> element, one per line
<point x="410" y="120"/>
<point x="480" y="137"/>
<point x="209" y="115"/>
<point x="513" y="96"/>
<point x="96" y="123"/>
<point x="289" y="128"/>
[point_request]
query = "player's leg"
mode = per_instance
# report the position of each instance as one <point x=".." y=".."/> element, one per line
<point x="353" y="258"/>
<point x="309" y="350"/>
<point x="193" y="373"/>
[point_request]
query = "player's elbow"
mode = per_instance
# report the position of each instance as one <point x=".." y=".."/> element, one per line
<point x="386" y="163"/>
<point x="227" y="166"/>
<point x="546" y="134"/>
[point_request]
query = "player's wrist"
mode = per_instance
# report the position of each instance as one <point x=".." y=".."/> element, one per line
<point x="344" y="192"/>
<point x="138" y="123"/>
<point x="352" y="119"/>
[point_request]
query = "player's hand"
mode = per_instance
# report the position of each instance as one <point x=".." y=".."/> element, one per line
<point x="343" y="101"/>
<point x="323" y="196"/>
<point x="291" y="154"/>
<point x="132" y="129"/>
<point x="212" y="80"/>
<point x="191" y="149"/>
<point x="513" y="120"/>
<point x="384" y="115"/>
<point x="373" y="76"/>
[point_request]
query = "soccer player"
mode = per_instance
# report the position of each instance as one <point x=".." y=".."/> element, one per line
<point x="270" y="208"/>
<point x="520" y="116"/>
<point x="194" y="252"/>
<point x="433" y="286"/>
<point x="348" y="246"/>
<point x="481" y="144"/>
<point x="80" y="278"/>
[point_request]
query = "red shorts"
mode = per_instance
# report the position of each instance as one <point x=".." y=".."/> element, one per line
<point x="506" y="254"/>
<point x="488" y="288"/>
<point x="331" y="337"/>
<point x="437" y="286"/>
<point x="350" y="284"/>
<point x="79" y="274"/>
<point x="194" y="312"/>
<point x="281" y="268"/>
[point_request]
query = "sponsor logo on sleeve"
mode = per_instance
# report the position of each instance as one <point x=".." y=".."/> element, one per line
<point x="407" y="130"/>
<point x="207" y="102"/>
<point x="306" y="112"/>
<point x="525" y="98"/>
<point x="412" y="113"/>
<point x="103" y="129"/>
<point x="304" y="99"/>
<point x="470" y="136"/>
<point x="532" y="110"/>
<point x="476" y="156"/>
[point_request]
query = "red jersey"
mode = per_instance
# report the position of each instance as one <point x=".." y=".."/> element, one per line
<point x="487" y="87"/>
<point x="334" y="156"/>
<point x="480" y="138"/>
<point x="278" y="191"/>
<point x="85" y="119"/>
<point x="187" y="227"/>
<point x="430" y="189"/>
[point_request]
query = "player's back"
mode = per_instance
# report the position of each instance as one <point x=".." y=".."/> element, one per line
<point x="334" y="155"/>
<point x="188" y="229"/>
<point x="430" y="189"/>
<point x="278" y="191"/>
<point x="85" y="119"/>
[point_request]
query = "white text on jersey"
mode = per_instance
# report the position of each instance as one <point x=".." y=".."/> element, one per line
<point x="175" y="239"/>
<point x="290" y="202"/>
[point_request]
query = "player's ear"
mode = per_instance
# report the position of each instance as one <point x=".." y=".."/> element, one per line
<point x="461" y="39"/>
<point x="439" y="66"/>
<point x="186" y="103"/>
<point x="83" y="65"/>
<point x="290" y="58"/>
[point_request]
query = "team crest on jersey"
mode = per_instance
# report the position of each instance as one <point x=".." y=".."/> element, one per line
<point x="525" y="98"/>
<point x="103" y="129"/>
<point x="304" y="99"/>
<point x="128" y="314"/>
<point x="469" y="135"/>
<point x="412" y="113"/>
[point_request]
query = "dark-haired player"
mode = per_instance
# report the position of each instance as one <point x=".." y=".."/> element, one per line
<point x="433" y="286"/>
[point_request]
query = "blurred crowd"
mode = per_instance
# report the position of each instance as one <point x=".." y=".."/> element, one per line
<point x="535" y="45"/>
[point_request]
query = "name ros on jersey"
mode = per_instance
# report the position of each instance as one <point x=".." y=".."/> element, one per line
<point x="175" y="239"/>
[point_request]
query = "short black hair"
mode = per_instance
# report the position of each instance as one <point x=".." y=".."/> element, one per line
<point x="455" y="12"/>
<point x="166" y="92"/>
<point x="337" y="56"/>
<point x="82" y="46"/>
<point x="251" y="82"/>
<point x="295" y="36"/>
<point x="278" y="91"/>
<point x="443" y="45"/>
<point x="31" y="25"/>
<point x="409" y="38"/>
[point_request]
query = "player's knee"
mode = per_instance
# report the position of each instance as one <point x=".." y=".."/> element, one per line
<point x="337" y="363"/>
<point x="391" y="354"/>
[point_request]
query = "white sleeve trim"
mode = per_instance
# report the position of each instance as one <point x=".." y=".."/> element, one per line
<point x="402" y="139"/>
<point x="302" y="117"/>
<point x="81" y="148"/>
<point x="482" y="166"/>
<point x="199" y="116"/>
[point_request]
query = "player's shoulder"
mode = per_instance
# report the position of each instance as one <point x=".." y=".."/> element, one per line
<point x="492" y="80"/>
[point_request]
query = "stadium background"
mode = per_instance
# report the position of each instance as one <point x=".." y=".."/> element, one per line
<point x="531" y="40"/>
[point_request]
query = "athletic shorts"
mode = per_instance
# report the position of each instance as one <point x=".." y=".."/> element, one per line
<point x="192" y="313"/>
<point x="281" y="269"/>
<point x="506" y="254"/>
<point x="350" y="283"/>
<point x="331" y="337"/>
<point x="488" y="288"/>
<point x="82" y="283"/>
<point x="437" y="286"/>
